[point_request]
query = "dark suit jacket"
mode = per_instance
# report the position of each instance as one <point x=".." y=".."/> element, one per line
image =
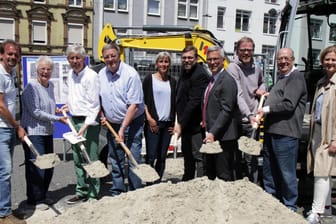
<point x="222" y="112"/>
<point x="190" y="90"/>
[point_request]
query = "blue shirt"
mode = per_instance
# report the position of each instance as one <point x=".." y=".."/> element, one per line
<point x="119" y="90"/>
<point x="7" y="88"/>
<point x="38" y="108"/>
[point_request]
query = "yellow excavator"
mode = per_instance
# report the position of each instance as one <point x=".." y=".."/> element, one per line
<point x="160" y="38"/>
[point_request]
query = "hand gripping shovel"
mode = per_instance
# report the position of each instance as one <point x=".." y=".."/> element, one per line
<point x="144" y="171"/>
<point x="250" y="145"/>
<point x="94" y="169"/>
<point x="45" y="161"/>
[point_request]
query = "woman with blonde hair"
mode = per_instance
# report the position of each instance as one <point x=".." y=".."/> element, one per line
<point x="322" y="143"/>
<point x="159" y="97"/>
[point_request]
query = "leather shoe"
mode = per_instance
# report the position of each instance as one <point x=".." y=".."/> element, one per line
<point x="76" y="199"/>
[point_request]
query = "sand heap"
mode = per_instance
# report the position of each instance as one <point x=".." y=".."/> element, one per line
<point x="196" y="201"/>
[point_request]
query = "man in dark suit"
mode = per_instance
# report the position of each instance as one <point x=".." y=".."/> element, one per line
<point x="220" y="116"/>
<point x="190" y="89"/>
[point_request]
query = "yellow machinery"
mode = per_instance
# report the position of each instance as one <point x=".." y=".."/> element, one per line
<point x="176" y="40"/>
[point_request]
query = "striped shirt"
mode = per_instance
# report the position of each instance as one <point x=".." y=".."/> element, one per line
<point x="38" y="109"/>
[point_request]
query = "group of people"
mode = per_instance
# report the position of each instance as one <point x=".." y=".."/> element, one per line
<point x="207" y="103"/>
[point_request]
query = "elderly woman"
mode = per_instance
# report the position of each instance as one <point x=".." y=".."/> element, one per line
<point x="159" y="97"/>
<point x="38" y="116"/>
<point x="322" y="145"/>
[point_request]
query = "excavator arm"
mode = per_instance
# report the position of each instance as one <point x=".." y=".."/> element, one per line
<point x="201" y="39"/>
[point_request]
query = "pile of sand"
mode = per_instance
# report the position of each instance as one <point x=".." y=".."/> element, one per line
<point x="197" y="201"/>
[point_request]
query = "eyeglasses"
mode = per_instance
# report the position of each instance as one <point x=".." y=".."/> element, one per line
<point x="212" y="59"/>
<point x="246" y="50"/>
<point x="284" y="58"/>
<point x="188" y="57"/>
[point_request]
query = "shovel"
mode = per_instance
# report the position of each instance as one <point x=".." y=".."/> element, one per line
<point x="250" y="145"/>
<point x="94" y="169"/>
<point x="45" y="161"/>
<point x="144" y="171"/>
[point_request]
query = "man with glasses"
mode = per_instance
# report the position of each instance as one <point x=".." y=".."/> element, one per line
<point x="220" y="117"/>
<point x="284" y="110"/>
<point x="190" y="89"/>
<point x="251" y="86"/>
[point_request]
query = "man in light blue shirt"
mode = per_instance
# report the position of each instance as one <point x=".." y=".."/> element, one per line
<point x="122" y="101"/>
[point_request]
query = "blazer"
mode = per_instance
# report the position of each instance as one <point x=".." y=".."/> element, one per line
<point x="222" y="112"/>
<point x="189" y="95"/>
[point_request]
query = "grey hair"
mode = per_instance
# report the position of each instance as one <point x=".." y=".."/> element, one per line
<point x="162" y="54"/>
<point x="111" y="46"/>
<point x="76" y="48"/>
<point x="45" y="59"/>
<point x="216" y="48"/>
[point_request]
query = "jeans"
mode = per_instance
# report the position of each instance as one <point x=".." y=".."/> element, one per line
<point x="38" y="180"/>
<point x="7" y="142"/>
<point x="133" y="140"/>
<point x="279" y="170"/>
<point x="157" y="146"/>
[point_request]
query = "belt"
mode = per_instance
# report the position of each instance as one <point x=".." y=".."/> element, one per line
<point x="79" y="117"/>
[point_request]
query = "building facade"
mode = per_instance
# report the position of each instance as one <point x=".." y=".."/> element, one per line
<point x="47" y="27"/>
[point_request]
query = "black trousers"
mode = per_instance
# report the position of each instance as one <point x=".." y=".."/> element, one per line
<point x="193" y="159"/>
<point x="221" y="165"/>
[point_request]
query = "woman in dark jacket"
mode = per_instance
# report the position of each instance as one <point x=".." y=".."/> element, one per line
<point x="159" y="97"/>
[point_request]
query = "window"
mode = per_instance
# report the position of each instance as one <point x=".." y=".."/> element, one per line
<point x="332" y="32"/>
<point x="76" y="3"/>
<point x="269" y="24"/>
<point x="182" y="8"/>
<point x="315" y="28"/>
<point x="75" y="33"/>
<point x="153" y="7"/>
<point x="315" y="57"/>
<point x="6" y="29"/>
<point x="40" y="1"/>
<point x="122" y="5"/>
<point x="272" y="1"/>
<point x="109" y="4"/>
<point x="39" y="32"/>
<point x="269" y="51"/>
<point x="193" y="13"/>
<point x="220" y="17"/>
<point x="187" y="8"/>
<point x="242" y="20"/>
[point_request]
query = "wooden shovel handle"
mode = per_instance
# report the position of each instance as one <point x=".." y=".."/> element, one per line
<point x="123" y="145"/>
<point x="261" y="102"/>
<point x="81" y="145"/>
<point x="30" y="145"/>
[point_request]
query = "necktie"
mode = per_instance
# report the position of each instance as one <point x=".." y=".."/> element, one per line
<point x="206" y="101"/>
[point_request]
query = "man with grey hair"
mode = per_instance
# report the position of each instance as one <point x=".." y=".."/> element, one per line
<point x="220" y="116"/>
<point x="122" y="101"/>
<point x="284" y="110"/>
<point x="83" y="104"/>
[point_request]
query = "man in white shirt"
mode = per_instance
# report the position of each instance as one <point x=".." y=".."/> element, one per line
<point x="83" y="104"/>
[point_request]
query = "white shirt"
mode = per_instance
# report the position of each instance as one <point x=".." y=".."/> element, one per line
<point x="83" y="97"/>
